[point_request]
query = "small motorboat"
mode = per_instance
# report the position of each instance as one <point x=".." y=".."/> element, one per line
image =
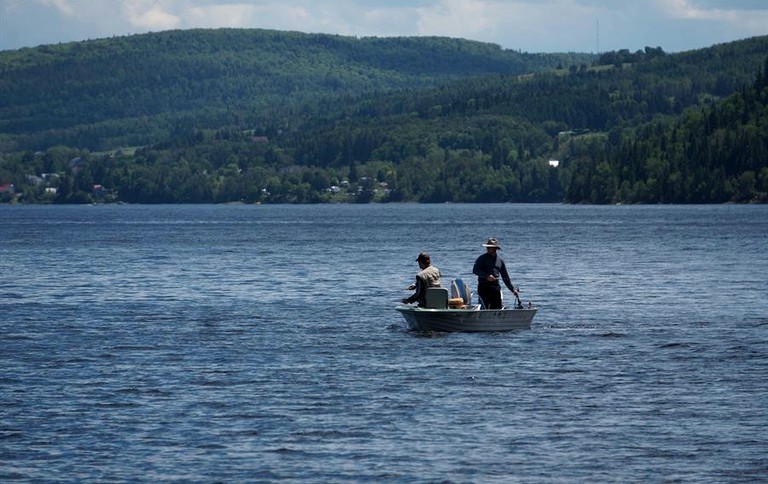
<point x="469" y="320"/>
<point x="458" y="314"/>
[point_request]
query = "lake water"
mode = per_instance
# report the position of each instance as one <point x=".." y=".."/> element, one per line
<point x="259" y="343"/>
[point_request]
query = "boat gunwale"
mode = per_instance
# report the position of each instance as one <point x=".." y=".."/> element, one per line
<point x="467" y="320"/>
<point x="405" y="308"/>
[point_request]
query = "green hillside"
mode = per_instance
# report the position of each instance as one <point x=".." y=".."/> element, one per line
<point x="140" y="89"/>
<point x="297" y="118"/>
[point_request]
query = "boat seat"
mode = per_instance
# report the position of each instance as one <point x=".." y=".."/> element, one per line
<point x="436" y="298"/>
<point x="460" y="289"/>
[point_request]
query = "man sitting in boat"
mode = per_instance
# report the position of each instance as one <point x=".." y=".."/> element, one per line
<point x="429" y="276"/>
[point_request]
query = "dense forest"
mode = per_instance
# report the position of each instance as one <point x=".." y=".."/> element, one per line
<point x="275" y="117"/>
<point x="144" y="89"/>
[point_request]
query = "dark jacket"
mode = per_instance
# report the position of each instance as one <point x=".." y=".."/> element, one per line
<point x="491" y="264"/>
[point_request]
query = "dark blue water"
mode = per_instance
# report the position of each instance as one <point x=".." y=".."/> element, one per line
<point x="259" y="343"/>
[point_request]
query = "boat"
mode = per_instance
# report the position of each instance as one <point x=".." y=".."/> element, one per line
<point x="471" y="319"/>
<point x="458" y="314"/>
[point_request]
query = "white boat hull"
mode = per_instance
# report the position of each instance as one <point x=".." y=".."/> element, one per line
<point x="467" y="320"/>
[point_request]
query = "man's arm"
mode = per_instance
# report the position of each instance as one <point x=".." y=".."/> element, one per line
<point x="506" y="279"/>
<point x="419" y="290"/>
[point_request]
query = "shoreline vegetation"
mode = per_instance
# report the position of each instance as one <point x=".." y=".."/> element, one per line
<point x="266" y="117"/>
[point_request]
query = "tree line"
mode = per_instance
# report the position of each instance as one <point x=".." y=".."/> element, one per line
<point x="647" y="127"/>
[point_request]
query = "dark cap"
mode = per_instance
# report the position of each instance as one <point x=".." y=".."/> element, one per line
<point x="423" y="257"/>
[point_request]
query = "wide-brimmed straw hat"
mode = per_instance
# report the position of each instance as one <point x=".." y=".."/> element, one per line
<point x="492" y="242"/>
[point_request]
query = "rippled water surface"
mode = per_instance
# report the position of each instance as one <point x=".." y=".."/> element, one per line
<point x="259" y="343"/>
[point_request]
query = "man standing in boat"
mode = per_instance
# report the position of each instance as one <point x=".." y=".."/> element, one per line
<point x="489" y="268"/>
<point x="429" y="276"/>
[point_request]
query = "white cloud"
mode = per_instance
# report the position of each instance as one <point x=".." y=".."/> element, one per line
<point x="465" y="17"/>
<point x="687" y="10"/>
<point x="690" y="10"/>
<point x="153" y="18"/>
<point x="752" y="20"/>
<point x="233" y="15"/>
<point x="514" y="24"/>
<point x="62" y="6"/>
<point x="188" y="14"/>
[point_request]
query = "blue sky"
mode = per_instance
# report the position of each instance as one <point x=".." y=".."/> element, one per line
<point x="527" y="25"/>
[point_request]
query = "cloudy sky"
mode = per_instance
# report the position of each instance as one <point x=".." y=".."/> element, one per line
<point x="527" y="25"/>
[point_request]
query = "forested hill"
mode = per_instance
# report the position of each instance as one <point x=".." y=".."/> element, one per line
<point x="623" y="131"/>
<point x="319" y="118"/>
<point x="136" y="90"/>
